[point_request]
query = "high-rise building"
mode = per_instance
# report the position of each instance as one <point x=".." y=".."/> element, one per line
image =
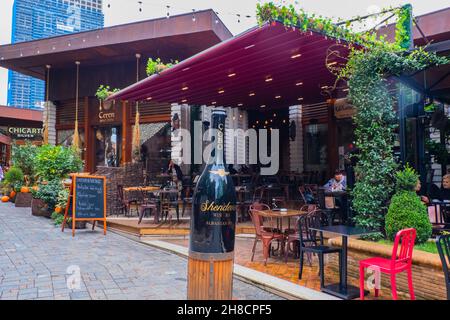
<point x="37" y="19"/>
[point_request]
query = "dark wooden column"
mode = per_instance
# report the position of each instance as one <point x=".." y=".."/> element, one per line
<point x="126" y="132"/>
<point x="333" y="157"/>
<point x="88" y="154"/>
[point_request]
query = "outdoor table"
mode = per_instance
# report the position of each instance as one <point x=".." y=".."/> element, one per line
<point x="150" y="188"/>
<point x="342" y="289"/>
<point x="279" y="215"/>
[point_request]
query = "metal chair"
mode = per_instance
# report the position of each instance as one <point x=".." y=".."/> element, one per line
<point x="149" y="202"/>
<point x="401" y="260"/>
<point x="265" y="230"/>
<point x="443" y="246"/>
<point x="311" y="243"/>
<point x="169" y="200"/>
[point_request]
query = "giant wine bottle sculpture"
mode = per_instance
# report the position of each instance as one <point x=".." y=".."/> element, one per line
<point x="213" y="223"/>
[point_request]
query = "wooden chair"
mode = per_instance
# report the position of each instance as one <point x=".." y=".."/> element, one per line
<point x="149" y="203"/>
<point x="443" y="246"/>
<point x="169" y="200"/>
<point x="436" y="214"/>
<point x="265" y="230"/>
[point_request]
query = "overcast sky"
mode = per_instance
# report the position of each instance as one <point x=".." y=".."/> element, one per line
<point x="124" y="11"/>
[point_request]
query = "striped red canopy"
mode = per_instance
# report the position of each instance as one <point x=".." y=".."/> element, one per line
<point x="269" y="66"/>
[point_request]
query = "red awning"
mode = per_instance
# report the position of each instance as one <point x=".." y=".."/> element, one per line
<point x="270" y="65"/>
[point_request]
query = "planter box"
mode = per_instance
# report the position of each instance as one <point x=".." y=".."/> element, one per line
<point x="39" y="208"/>
<point x="23" y="200"/>
<point x="428" y="277"/>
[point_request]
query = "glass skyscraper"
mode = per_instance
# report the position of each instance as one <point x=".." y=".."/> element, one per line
<point x="37" y="19"/>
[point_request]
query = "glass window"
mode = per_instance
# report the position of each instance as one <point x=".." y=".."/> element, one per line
<point x="108" y="146"/>
<point x="315" y="146"/>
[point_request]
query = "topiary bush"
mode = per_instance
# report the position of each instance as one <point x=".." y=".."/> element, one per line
<point x="408" y="211"/>
<point x="14" y="177"/>
<point x="406" y="180"/>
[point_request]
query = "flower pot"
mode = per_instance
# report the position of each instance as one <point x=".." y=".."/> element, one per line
<point x="23" y="200"/>
<point x="40" y="209"/>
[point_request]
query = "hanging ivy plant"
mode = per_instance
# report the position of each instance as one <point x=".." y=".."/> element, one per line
<point x="367" y="72"/>
<point x="157" y="66"/>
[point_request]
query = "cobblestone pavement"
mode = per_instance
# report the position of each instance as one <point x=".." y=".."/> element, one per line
<point x="37" y="260"/>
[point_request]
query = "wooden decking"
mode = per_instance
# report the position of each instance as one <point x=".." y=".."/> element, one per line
<point x="173" y="228"/>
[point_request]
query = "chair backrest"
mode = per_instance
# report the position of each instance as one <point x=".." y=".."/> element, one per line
<point x="436" y="214"/>
<point x="120" y="192"/>
<point x="305" y="223"/>
<point x="256" y="218"/>
<point x="321" y="198"/>
<point x="443" y="246"/>
<point x="403" y="246"/>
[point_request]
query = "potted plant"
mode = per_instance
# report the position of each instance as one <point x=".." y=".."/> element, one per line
<point x="157" y="66"/>
<point x="56" y="162"/>
<point x="59" y="211"/>
<point x="103" y="92"/>
<point x="44" y="200"/>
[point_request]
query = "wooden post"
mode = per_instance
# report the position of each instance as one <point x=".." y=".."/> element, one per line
<point x="210" y="276"/>
<point x="126" y="132"/>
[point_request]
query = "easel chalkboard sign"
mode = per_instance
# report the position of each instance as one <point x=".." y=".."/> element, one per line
<point x="87" y="201"/>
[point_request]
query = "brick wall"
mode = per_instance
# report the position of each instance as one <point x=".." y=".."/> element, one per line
<point x="128" y="175"/>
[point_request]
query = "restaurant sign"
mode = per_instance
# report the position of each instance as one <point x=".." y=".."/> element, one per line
<point x="343" y="109"/>
<point x="25" y="133"/>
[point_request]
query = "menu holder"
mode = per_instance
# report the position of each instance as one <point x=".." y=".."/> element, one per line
<point x="86" y="201"/>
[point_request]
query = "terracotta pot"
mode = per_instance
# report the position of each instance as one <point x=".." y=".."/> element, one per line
<point x="40" y="209"/>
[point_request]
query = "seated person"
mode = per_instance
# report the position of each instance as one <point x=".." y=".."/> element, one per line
<point x="442" y="193"/>
<point x="423" y="198"/>
<point x="337" y="183"/>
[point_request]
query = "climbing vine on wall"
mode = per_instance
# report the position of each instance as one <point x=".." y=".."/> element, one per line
<point x="369" y="67"/>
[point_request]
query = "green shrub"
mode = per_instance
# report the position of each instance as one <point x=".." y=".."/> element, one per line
<point x="56" y="162"/>
<point x="24" y="158"/>
<point x="58" y="218"/>
<point x="407" y="211"/>
<point x="406" y="180"/>
<point x="14" y="177"/>
<point x="103" y="92"/>
<point x="49" y="192"/>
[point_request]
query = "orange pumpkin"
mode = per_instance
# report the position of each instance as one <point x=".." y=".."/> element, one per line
<point x="35" y="188"/>
<point x="58" y="209"/>
<point x="5" y="199"/>
<point x="24" y="189"/>
<point x="12" y="194"/>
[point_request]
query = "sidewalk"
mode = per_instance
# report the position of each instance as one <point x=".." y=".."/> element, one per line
<point x="37" y="259"/>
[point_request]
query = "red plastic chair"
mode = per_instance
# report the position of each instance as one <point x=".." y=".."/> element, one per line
<point x="400" y="261"/>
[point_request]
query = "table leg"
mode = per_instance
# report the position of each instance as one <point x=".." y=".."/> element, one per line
<point x="344" y="264"/>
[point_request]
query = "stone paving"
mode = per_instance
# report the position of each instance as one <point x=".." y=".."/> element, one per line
<point x="37" y="261"/>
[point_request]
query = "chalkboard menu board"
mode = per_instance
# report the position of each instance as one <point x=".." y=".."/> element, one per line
<point x="89" y="197"/>
<point x="87" y="201"/>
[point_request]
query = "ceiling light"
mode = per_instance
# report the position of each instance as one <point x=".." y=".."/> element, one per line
<point x="240" y="104"/>
<point x="221" y="91"/>
<point x="250" y="46"/>
<point x="278" y="97"/>
<point x="252" y="94"/>
<point x="295" y="56"/>
<point x="269" y="79"/>
<point x="186" y="69"/>
<point x="332" y="63"/>
<point x="324" y="87"/>
<point x="214" y="102"/>
<point x="263" y="106"/>
<point x="300" y="99"/>
<point x="184" y="88"/>
<point x="149" y="98"/>
<point x="183" y="101"/>
<point x="299" y="84"/>
<point x="231" y="75"/>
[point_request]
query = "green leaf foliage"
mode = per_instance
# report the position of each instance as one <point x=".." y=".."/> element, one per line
<point x="103" y="92"/>
<point x="157" y="66"/>
<point x="407" y="211"/>
<point x="14" y="177"/>
<point x="23" y="157"/>
<point x="56" y="162"/>
<point x="49" y="192"/>
<point x="406" y="180"/>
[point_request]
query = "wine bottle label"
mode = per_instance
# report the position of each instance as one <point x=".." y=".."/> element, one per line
<point x="213" y="220"/>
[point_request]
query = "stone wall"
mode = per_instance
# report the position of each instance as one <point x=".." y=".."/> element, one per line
<point x="131" y="174"/>
<point x="428" y="277"/>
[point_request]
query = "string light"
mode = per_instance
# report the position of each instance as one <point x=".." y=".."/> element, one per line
<point x="193" y="15"/>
